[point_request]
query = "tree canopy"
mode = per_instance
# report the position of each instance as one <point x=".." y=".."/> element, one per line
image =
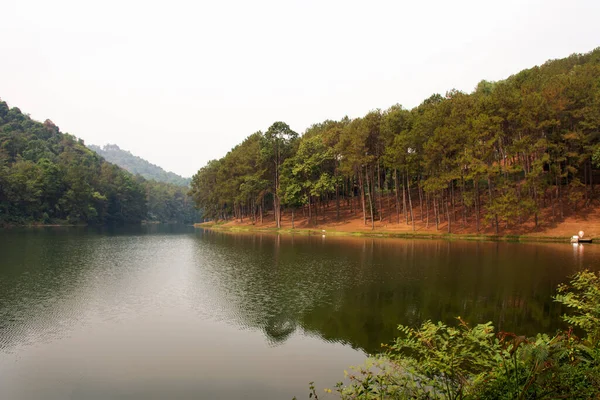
<point x="47" y="176"/>
<point x="494" y="157"/>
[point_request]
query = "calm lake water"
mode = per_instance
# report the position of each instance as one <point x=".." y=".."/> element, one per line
<point x="172" y="312"/>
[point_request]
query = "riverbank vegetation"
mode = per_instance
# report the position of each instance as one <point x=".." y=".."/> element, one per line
<point x="520" y="151"/>
<point x="50" y="177"/>
<point x="437" y="361"/>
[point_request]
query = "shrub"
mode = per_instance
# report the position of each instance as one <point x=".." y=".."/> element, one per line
<point x="437" y="361"/>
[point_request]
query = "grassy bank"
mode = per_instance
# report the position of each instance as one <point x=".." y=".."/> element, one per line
<point x="221" y="226"/>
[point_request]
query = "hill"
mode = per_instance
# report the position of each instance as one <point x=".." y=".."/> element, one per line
<point x="50" y="177"/>
<point x="520" y="155"/>
<point x="137" y="165"/>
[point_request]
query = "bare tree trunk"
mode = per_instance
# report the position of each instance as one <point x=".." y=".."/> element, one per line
<point x="351" y="188"/>
<point x="490" y="203"/>
<point x="404" y="199"/>
<point x="436" y="213"/>
<point x="380" y="192"/>
<point x="293" y="226"/>
<point x="370" y="198"/>
<point x="412" y="217"/>
<point x="362" y="196"/>
<point x="585" y="186"/>
<point x="276" y="210"/>
<point x="397" y="197"/>
<point x="389" y="205"/>
<point x="559" y="197"/>
<point x="535" y="199"/>
<point x="477" y="205"/>
<point x="452" y="200"/>
<point x="591" y="178"/>
<point x="337" y="198"/>
<point x="462" y="197"/>
<point x="420" y="198"/>
<point x="450" y="192"/>
<point x="427" y="208"/>
<point x="262" y="206"/>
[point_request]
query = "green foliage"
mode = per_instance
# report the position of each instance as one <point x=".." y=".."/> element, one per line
<point x="169" y="203"/>
<point x="501" y="153"/>
<point x="437" y="361"/>
<point x="51" y="177"/>
<point x="582" y="296"/>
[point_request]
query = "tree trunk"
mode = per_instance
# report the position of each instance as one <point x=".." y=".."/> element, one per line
<point x="397" y="197"/>
<point x="362" y="196"/>
<point x="436" y="212"/>
<point x="450" y="192"/>
<point x="276" y="209"/>
<point x="261" y="211"/>
<point x="380" y="193"/>
<point x="337" y="198"/>
<point x="559" y="197"/>
<point x="427" y="208"/>
<point x="477" y="204"/>
<point x="452" y="200"/>
<point x="412" y="217"/>
<point x="464" y="207"/>
<point x="490" y="203"/>
<point x="404" y="199"/>
<point x="591" y="178"/>
<point x="370" y="198"/>
<point x="420" y="198"/>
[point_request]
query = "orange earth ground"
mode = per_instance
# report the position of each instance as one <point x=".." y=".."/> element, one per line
<point x="583" y="219"/>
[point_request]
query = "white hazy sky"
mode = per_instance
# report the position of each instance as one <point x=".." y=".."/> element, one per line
<point x="181" y="82"/>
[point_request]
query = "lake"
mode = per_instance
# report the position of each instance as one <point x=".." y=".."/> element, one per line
<point x="182" y="313"/>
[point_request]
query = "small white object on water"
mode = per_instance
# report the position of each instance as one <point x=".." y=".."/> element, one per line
<point x="575" y="239"/>
<point x="580" y="234"/>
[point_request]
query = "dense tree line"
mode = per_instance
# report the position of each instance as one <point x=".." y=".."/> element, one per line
<point x="51" y="177"/>
<point x="167" y="202"/>
<point x="495" y="157"/>
<point x="137" y="165"/>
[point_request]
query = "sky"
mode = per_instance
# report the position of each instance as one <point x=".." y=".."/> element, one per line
<point x="182" y="82"/>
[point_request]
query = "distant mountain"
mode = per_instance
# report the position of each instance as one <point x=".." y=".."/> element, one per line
<point x="51" y="177"/>
<point x="137" y="165"/>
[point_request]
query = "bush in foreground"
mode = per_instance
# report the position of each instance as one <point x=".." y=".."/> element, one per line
<point x="437" y="361"/>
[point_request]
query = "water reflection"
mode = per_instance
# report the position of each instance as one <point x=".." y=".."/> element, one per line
<point x="356" y="290"/>
<point x="101" y="312"/>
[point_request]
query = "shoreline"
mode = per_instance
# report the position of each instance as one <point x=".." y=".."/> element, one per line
<point x="385" y="234"/>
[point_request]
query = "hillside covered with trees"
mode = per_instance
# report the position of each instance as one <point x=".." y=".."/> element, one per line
<point x="137" y="165"/>
<point x="490" y="159"/>
<point x="48" y="177"/>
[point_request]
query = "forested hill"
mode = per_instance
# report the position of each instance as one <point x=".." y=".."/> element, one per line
<point x="524" y="150"/>
<point x="137" y="165"/>
<point x="51" y="177"/>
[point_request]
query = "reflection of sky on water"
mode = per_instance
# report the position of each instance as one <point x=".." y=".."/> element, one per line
<point x="148" y="313"/>
<point x="135" y="316"/>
